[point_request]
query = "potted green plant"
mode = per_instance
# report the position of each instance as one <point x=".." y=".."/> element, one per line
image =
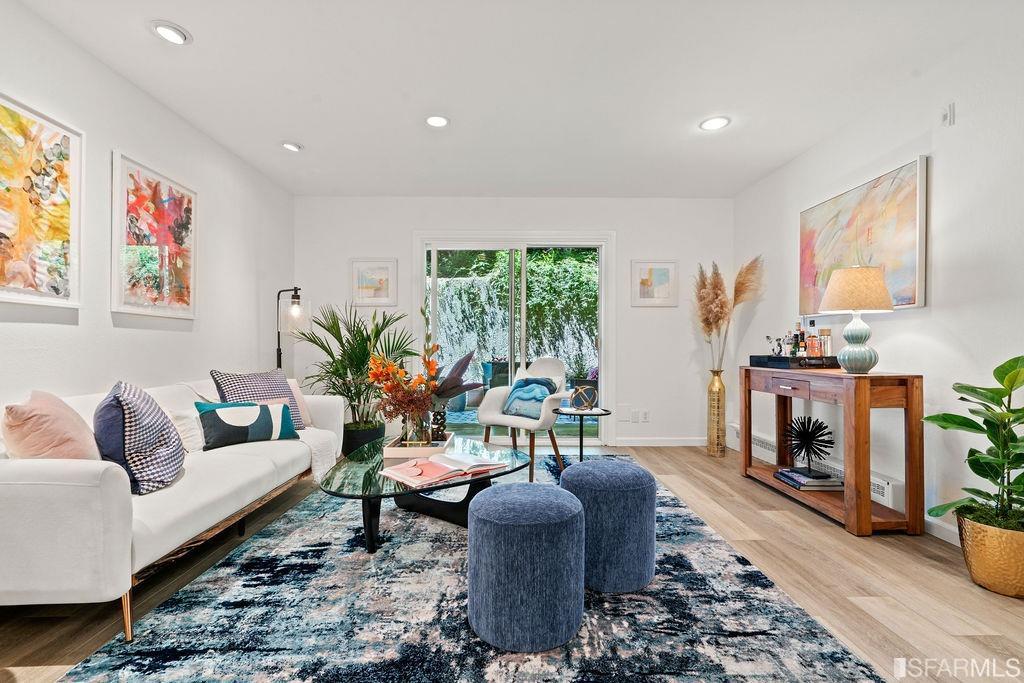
<point x="991" y="522"/>
<point x="349" y="340"/>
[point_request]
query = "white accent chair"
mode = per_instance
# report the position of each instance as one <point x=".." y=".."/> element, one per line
<point x="490" y="414"/>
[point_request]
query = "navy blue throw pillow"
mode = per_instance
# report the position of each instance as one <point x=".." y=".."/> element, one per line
<point x="134" y="432"/>
<point x="108" y="427"/>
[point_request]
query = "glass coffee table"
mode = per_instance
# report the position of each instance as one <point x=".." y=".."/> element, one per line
<point x="358" y="476"/>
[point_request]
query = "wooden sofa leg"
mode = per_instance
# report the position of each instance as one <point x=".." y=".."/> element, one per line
<point x="533" y="440"/>
<point x="554" y="445"/>
<point x="126" y="615"/>
<point x="515" y="443"/>
<point x="487" y="434"/>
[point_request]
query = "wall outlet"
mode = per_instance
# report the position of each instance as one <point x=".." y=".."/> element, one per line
<point x="645" y="415"/>
<point x="634" y="415"/>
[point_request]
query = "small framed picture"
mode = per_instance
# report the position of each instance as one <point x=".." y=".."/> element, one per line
<point x="654" y="283"/>
<point x="375" y="282"/>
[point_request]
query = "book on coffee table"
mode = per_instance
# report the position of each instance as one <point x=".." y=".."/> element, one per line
<point x="439" y="467"/>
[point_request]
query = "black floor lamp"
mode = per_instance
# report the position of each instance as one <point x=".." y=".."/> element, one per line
<point x="295" y="311"/>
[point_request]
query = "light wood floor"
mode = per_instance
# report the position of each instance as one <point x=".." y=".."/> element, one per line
<point x="886" y="596"/>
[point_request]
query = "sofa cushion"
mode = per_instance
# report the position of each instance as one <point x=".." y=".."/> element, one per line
<point x="289" y="458"/>
<point x="213" y="486"/>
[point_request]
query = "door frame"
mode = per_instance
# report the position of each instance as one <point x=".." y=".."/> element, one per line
<point x="602" y="240"/>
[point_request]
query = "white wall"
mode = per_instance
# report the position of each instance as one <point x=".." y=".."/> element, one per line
<point x="658" y="356"/>
<point x="972" y="320"/>
<point x="243" y="224"/>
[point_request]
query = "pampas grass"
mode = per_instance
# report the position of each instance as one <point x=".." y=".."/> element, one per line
<point x="715" y="307"/>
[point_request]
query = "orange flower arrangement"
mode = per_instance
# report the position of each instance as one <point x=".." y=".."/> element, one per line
<point x="403" y="394"/>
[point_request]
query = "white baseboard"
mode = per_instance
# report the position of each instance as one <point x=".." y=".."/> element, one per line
<point x="943" y="530"/>
<point x="661" y="441"/>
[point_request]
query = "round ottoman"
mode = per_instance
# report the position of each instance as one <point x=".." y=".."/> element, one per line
<point x="618" y="505"/>
<point x="525" y="566"/>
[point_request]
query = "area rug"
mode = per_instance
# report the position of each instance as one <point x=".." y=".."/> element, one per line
<point x="302" y="601"/>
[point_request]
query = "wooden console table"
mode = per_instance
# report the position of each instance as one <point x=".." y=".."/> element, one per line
<point x="857" y="394"/>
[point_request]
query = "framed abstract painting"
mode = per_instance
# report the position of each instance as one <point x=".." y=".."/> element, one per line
<point x="374" y="282"/>
<point x="40" y="207"/>
<point x="880" y="223"/>
<point x="654" y="283"/>
<point x="153" y="264"/>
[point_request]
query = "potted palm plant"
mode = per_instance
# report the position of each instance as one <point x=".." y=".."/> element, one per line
<point x="991" y="522"/>
<point x="349" y="340"/>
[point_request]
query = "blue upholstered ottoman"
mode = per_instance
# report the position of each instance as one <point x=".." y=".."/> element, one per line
<point x="619" y="501"/>
<point x="525" y="566"/>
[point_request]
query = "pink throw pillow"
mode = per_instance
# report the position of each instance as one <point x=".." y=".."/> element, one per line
<point x="47" y="427"/>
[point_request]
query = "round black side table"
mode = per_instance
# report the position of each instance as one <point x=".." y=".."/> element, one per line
<point x="593" y="412"/>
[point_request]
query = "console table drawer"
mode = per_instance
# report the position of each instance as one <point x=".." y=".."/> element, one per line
<point x="795" y="388"/>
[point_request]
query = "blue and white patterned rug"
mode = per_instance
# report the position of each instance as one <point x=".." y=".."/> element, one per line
<point x="302" y="601"/>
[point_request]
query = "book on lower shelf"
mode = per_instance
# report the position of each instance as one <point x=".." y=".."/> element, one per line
<point x="439" y="467"/>
<point x="804" y="483"/>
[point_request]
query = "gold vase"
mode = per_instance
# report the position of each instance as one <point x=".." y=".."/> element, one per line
<point x="993" y="556"/>
<point x="716" y="415"/>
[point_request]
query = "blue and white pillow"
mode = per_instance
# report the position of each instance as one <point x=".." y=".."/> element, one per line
<point x="133" y="431"/>
<point x="225" y="424"/>
<point x="527" y="397"/>
<point x="257" y="387"/>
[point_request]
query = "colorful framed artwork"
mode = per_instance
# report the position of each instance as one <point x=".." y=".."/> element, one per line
<point x="374" y="282"/>
<point x="153" y="264"/>
<point x="880" y="223"/>
<point x="40" y="207"/>
<point x="654" y="283"/>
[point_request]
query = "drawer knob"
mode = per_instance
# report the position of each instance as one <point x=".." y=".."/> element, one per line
<point x="786" y="387"/>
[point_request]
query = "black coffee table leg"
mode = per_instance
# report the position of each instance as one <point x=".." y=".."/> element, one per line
<point x="456" y="512"/>
<point x="371" y="523"/>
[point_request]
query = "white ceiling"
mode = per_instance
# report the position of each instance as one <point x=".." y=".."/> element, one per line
<point x="546" y="97"/>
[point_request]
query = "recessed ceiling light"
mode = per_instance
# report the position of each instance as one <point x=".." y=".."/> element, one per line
<point x="292" y="146"/>
<point x="715" y="123"/>
<point x="171" y="32"/>
<point x="437" y="121"/>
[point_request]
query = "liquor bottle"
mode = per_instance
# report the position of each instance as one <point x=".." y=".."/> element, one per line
<point x="813" y="347"/>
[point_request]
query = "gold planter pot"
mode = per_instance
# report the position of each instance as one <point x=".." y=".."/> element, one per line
<point x="716" y="415"/>
<point x="994" y="556"/>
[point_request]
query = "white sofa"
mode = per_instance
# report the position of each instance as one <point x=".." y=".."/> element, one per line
<point x="72" y="532"/>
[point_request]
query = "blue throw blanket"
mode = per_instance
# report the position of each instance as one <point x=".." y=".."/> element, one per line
<point x="527" y="397"/>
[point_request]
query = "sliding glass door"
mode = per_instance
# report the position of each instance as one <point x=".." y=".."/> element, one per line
<point x="483" y="300"/>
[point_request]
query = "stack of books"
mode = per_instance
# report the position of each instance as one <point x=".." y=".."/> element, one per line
<point x="800" y="480"/>
<point x="439" y="467"/>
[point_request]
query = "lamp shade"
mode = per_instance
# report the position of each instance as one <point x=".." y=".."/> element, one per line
<point x="856" y="289"/>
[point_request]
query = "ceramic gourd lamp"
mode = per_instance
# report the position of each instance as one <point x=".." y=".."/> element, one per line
<point x="857" y="290"/>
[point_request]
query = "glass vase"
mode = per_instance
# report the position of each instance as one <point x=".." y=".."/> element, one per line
<point x="416" y="430"/>
<point x="716" y="415"/>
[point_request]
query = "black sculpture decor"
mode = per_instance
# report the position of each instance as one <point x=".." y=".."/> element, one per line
<point x="810" y="439"/>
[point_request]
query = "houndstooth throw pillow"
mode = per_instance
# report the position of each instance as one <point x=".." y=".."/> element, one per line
<point x="149" y="447"/>
<point x="257" y="387"/>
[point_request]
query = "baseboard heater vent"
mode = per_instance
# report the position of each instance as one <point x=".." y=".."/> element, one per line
<point x="884" y="490"/>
